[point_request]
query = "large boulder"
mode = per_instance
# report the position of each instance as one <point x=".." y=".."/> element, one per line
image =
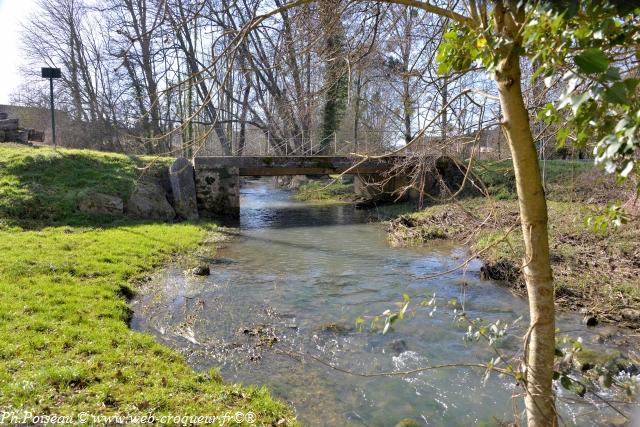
<point x="347" y="179"/>
<point x="281" y="181"/>
<point x="9" y="125"/>
<point x="183" y="186"/>
<point x="298" y="181"/>
<point x="35" y="135"/>
<point x="100" y="204"/>
<point x="632" y="206"/>
<point x="149" y="201"/>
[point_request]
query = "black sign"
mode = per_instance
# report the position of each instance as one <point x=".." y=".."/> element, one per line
<point x="51" y="73"/>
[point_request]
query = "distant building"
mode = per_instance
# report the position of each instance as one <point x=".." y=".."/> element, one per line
<point x="489" y="144"/>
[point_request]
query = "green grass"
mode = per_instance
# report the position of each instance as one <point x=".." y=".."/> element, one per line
<point x="498" y="177"/>
<point x="393" y="210"/>
<point x="315" y="191"/>
<point x="64" y="283"/>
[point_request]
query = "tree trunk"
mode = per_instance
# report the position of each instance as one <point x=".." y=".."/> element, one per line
<point x="540" y="341"/>
<point x="445" y="119"/>
<point x="356" y="113"/>
<point x="407" y="101"/>
<point x="243" y="120"/>
<point x="336" y="78"/>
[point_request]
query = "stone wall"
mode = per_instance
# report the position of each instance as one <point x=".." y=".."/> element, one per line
<point x="183" y="188"/>
<point x="218" y="191"/>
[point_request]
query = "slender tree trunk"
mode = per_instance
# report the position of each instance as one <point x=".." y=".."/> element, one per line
<point x="242" y="140"/>
<point x="445" y="101"/>
<point x="356" y="113"/>
<point x="74" y="85"/>
<point x="407" y="101"/>
<point x="540" y="340"/>
<point x="408" y="135"/>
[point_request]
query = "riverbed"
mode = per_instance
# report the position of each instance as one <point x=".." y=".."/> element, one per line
<point x="281" y="306"/>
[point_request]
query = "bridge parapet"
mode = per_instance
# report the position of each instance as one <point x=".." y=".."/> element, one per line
<point x="295" y="165"/>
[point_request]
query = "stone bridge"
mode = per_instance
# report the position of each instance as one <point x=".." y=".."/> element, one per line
<point x="217" y="179"/>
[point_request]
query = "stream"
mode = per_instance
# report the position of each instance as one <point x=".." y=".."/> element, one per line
<point x="295" y="279"/>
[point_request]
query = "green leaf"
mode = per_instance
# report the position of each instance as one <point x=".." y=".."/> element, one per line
<point x="627" y="169"/>
<point x="576" y="101"/>
<point x="605" y="380"/>
<point x="591" y="61"/>
<point x="631" y="84"/>
<point x="578" y="388"/>
<point x="404" y="309"/>
<point x="573" y="385"/>
<point x="617" y="93"/>
<point x="451" y="35"/>
<point x="565" y="381"/>
<point x="577" y="345"/>
<point x="443" y="68"/>
<point x="613" y="74"/>
<point x="562" y="135"/>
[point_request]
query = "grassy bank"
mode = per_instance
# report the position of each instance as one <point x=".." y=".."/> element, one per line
<point x="326" y="192"/>
<point x="65" y="278"/>
<point x="598" y="273"/>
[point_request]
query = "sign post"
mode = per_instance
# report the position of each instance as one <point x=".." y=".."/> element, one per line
<point x="52" y="73"/>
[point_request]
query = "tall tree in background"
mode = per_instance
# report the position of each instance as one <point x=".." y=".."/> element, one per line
<point x="137" y="24"/>
<point x="184" y="19"/>
<point x="336" y="70"/>
<point x="151" y="72"/>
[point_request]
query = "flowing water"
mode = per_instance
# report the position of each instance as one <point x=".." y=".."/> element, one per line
<point x="295" y="280"/>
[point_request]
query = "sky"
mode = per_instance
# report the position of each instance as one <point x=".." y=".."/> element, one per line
<point x="12" y="14"/>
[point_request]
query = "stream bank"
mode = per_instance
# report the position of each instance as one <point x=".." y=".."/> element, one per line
<point x="281" y="309"/>
<point x="596" y="274"/>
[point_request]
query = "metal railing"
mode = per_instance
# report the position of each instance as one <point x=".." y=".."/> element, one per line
<point x="259" y="143"/>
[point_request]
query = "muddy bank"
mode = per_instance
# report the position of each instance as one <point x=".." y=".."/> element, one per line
<point x="597" y="274"/>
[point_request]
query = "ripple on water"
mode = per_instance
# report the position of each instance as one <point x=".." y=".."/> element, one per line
<point x="267" y="311"/>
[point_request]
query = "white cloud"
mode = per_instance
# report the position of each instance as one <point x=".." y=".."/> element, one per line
<point x="12" y="14"/>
